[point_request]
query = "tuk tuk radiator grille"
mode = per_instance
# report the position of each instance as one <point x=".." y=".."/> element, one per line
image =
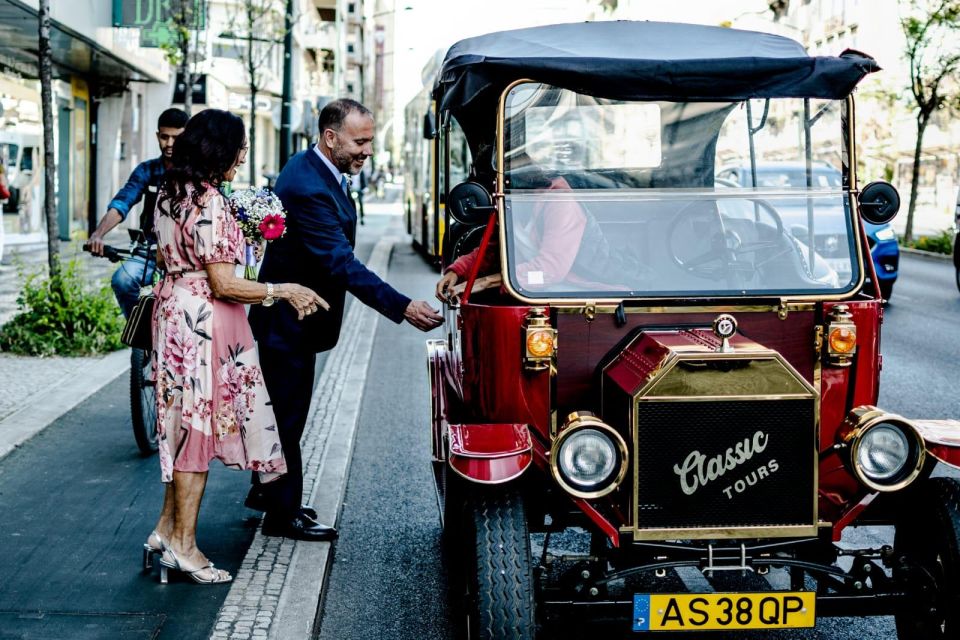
<point x="724" y="466"/>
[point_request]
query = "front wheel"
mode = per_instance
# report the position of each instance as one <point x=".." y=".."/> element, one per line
<point x="928" y="543"/>
<point x="498" y="576"/>
<point x="143" y="401"/>
<point x="958" y="278"/>
<point x="886" y="289"/>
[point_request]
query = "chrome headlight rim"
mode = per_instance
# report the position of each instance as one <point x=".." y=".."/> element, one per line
<point x="870" y="420"/>
<point x="579" y="423"/>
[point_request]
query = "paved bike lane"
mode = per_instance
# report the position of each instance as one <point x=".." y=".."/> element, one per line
<point x="78" y="501"/>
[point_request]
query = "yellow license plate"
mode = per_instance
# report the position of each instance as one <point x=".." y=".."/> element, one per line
<point x="702" y="611"/>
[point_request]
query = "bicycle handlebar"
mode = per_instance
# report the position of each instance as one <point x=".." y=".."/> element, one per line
<point x="114" y="254"/>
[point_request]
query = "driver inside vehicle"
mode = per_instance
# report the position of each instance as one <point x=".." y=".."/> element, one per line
<point x="558" y="243"/>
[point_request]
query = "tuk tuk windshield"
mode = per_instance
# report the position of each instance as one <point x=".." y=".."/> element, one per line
<point x="666" y="199"/>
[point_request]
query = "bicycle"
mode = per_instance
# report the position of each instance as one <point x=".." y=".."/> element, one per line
<point x="143" y="400"/>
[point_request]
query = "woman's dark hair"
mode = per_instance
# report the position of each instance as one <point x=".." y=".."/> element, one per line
<point x="207" y="148"/>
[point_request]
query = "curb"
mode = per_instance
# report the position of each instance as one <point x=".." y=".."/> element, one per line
<point x="32" y="418"/>
<point x="927" y="255"/>
<point x="278" y="591"/>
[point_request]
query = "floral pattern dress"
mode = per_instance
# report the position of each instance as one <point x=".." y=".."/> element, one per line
<point x="211" y="399"/>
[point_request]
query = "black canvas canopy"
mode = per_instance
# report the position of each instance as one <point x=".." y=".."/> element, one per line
<point x="644" y="61"/>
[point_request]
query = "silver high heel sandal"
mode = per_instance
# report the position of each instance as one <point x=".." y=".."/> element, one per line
<point x="169" y="561"/>
<point x="154" y="545"/>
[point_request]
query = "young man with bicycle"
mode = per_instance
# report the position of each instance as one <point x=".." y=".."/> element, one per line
<point x="143" y="183"/>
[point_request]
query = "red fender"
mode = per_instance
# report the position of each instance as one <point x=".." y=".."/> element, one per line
<point x="490" y="453"/>
<point x="942" y="438"/>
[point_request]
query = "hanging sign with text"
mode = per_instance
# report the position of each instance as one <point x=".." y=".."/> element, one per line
<point x="155" y="18"/>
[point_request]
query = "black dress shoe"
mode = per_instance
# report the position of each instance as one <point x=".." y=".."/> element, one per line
<point x="258" y="502"/>
<point x="298" y="528"/>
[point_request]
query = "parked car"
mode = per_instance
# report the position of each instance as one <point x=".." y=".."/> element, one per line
<point x="713" y="405"/>
<point x="956" y="240"/>
<point x="884" y="248"/>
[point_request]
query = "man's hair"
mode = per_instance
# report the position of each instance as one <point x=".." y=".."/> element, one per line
<point x="172" y="119"/>
<point x="333" y="115"/>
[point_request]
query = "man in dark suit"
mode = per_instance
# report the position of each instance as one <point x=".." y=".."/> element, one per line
<point x="317" y="252"/>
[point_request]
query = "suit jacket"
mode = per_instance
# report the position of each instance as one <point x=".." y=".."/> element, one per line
<point x="317" y="252"/>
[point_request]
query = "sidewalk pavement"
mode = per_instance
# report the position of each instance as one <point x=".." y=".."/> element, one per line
<point x="25" y="380"/>
<point x="277" y="592"/>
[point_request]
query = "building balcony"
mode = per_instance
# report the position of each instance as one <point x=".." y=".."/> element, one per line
<point x="324" y="37"/>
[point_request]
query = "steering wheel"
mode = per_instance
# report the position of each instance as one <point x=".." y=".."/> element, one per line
<point x="763" y="245"/>
<point x="722" y="258"/>
<point x="711" y="263"/>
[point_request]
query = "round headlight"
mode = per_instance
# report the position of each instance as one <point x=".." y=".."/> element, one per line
<point x="887" y="453"/>
<point x="588" y="458"/>
<point x="883" y="452"/>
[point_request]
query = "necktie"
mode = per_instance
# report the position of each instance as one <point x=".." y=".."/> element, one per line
<point x="345" y="185"/>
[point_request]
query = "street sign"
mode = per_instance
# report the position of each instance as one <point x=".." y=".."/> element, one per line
<point x="199" y="89"/>
<point x="154" y="18"/>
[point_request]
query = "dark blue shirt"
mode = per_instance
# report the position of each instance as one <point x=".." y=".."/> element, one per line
<point x="147" y="174"/>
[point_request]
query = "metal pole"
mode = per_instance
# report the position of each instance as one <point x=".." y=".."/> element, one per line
<point x="286" y="109"/>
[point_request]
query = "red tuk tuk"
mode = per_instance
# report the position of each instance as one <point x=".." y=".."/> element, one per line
<point x="683" y="368"/>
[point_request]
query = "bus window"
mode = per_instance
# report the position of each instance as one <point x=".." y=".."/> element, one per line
<point x="459" y="155"/>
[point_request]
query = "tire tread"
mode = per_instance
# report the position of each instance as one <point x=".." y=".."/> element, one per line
<point x="504" y="568"/>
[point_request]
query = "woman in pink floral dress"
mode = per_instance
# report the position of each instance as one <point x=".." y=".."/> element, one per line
<point x="211" y="400"/>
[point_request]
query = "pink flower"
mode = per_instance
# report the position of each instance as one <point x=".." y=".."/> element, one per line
<point x="180" y="352"/>
<point x="272" y="226"/>
<point x="230" y="378"/>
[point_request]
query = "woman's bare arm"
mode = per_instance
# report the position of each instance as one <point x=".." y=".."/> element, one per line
<point x="227" y="286"/>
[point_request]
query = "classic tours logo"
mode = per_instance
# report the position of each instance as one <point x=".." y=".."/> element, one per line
<point x="699" y="470"/>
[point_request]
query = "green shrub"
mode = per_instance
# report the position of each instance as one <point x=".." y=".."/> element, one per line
<point x="942" y="243"/>
<point x="65" y="316"/>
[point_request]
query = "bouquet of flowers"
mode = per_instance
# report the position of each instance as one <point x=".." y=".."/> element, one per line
<point x="261" y="216"/>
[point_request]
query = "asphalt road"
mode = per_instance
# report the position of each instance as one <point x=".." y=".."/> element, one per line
<point x="387" y="581"/>
<point x="921" y="341"/>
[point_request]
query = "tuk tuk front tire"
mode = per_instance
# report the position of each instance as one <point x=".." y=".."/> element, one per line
<point x="929" y="539"/>
<point x="886" y="289"/>
<point x="499" y="573"/>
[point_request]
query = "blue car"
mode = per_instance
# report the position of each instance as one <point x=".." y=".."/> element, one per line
<point x="884" y="248"/>
<point x="885" y="251"/>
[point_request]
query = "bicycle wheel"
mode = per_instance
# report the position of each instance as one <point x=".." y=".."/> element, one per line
<point x="143" y="402"/>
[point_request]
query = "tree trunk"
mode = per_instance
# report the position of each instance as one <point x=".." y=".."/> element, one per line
<point x="252" y="79"/>
<point x="922" y="119"/>
<point x="186" y="68"/>
<point x="252" y="151"/>
<point x="49" y="167"/>
<point x="187" y="85"/>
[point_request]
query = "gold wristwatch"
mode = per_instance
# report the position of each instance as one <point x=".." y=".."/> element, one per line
<point x="269" y="300"/>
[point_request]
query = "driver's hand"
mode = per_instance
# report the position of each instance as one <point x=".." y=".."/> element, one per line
<point x="94" y="245"/>
<point x="445" y="285"/>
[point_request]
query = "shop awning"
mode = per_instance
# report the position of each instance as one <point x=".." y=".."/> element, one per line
<point x="73" y="53"/>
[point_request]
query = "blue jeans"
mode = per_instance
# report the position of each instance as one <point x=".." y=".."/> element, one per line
<point x="128" y="279"/>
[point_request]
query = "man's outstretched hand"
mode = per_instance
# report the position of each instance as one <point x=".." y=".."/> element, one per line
<point x="420" y="314"/>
